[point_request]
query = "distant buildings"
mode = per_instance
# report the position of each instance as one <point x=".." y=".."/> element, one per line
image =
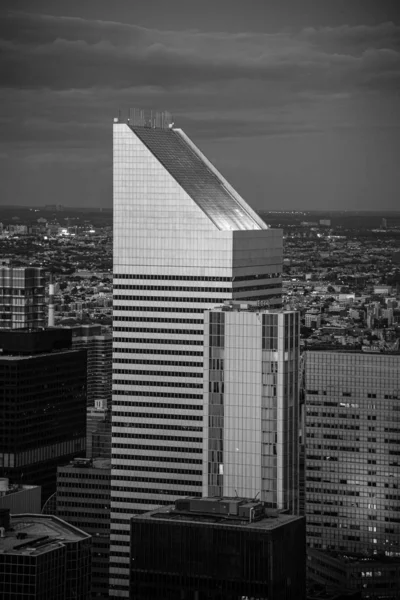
<point x="353" y="453"/>
<point x="217" y="548"/>
<point x="43" y="405"/>
<point x="251" y="404"/>
<point x="22" y="298"/>
<point x="83" y="499"/>
<point x="43" y="558"/>
<point x="184" y="241"/>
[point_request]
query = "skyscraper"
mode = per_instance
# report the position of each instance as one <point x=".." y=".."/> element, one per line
<point x="217" y="548"/>
<point x="83" y="499"/>
<point x="42" y="405"/>
<point x="22" y="298"/>
<point x="184" y="241"/>
<point x="251" y="404"/>
<point x="353" y="451"/>
<point x="99" y="361"/>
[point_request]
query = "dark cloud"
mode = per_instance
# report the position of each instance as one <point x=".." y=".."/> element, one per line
<point x="63" y="79"/>
<point x="63" y="53"/>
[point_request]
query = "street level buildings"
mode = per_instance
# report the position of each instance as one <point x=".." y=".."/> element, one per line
<point x="43" y="558"/>
<point x="22" y="298"/>
<point x="251" y="400"/>
<point x="184" y="242"/>
<point x="42" y="406"/>
<point x="217" y="548"/>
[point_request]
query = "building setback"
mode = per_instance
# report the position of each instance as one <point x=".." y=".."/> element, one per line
<point x="251" y="404"/>
<point x="184" y="241"/>
<point x="217" y="548"/>
<point x="42" y="406"/>
<point x="43" y="558"/>
<point x="22" y="298"/>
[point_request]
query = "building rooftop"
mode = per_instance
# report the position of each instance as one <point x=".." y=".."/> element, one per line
<point x="234" y="512"/>
<point x="36" y="534"/>
<point x="89" y="463"/>
<point x="13" y="488"/>
<point x="258" y="306"/>
<point x="199" y="178"/>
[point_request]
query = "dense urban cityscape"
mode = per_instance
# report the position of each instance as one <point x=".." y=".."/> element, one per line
<point x="199" y="300"/>
<point x="258" y="393"/>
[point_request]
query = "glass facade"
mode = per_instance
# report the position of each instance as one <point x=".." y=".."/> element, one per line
<point x="251" y="396"/>
<point x="44" y="558"/>
<point x="353" y="452"/>
<point x="42" y="415"/>
<point x="195" y="558"/>
<point x="174" y="257"/>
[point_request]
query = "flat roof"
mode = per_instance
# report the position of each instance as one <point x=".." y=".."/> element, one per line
<point x="88" y="463"/>
<point x="272" y="519"/>
<point x="39" y="355"/>
<point x="43" y="533"/>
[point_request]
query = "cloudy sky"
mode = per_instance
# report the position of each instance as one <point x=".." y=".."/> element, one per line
<point x="297" y="102"/>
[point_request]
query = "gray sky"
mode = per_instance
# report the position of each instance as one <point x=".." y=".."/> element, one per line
<point x="297" y="102"/>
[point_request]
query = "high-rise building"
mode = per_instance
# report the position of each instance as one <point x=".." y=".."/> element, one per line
<point x="98" y="432"/>
<point x="184" y="241"/>
<point x="43" y="558"/>
<point x="251" y="404"/>
<point x="83" y="499"/>
<point x="42" y="405"/>
<point x="22" y="298"/>
<point x="99" y="361"/>
<point x="353" y="452"/>
<point x="217" y="548"/>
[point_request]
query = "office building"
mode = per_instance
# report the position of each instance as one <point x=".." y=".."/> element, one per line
<point x="184" y="241"/>
<point x="251" y="404"/>
<point x="376" y="577"/>
<point x="22" y="298"/>
<point x="43" y="558"/>
<point x="353" y="451"/>
<point x="98" y="437"/>
<point x="83" y="499"/>
<point x="42" y="405"/>
<point x="217" y="548"/>
<point x="20" y="498"/>
<point x="99" y="362"/>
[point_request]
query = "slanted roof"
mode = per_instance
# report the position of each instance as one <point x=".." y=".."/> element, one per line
<point x="200" y="180"/>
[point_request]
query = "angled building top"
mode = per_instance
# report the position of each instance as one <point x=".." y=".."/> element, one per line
<point x="197" y="176"/>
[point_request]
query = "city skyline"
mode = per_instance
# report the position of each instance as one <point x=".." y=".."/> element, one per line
<point x="302" y="101"/>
